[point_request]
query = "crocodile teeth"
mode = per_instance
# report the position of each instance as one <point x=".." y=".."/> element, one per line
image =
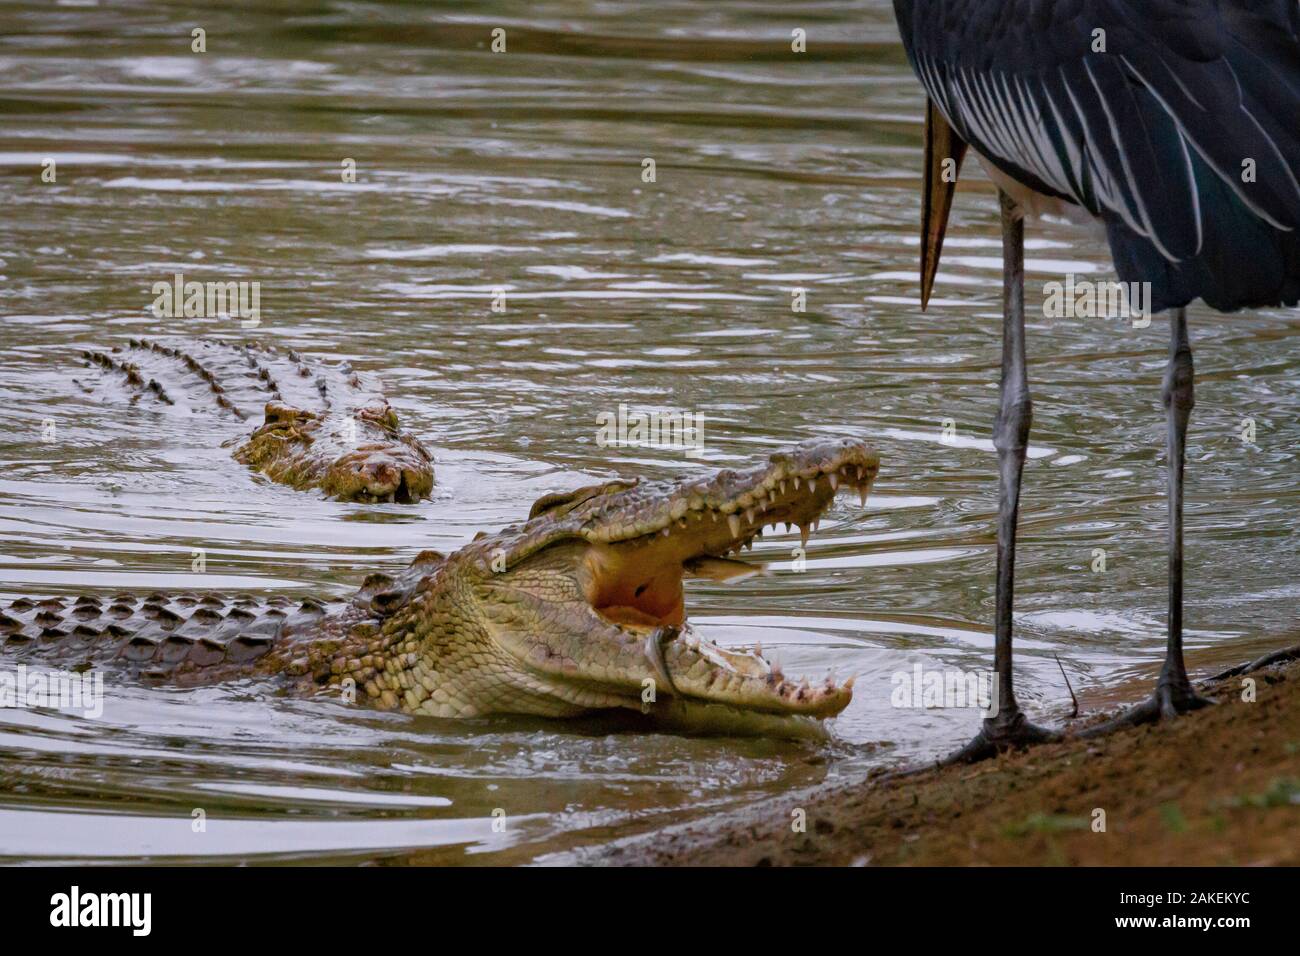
<point x="733" y="522"/>
<point x="833" y="480"/>
<point x="749" y="515"/>
<point x="796" y="482"/>
<point x="862" y="495"/>
<point x="803" y="535"/>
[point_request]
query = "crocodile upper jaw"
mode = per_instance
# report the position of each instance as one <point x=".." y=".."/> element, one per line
<point x="636" y="584"/>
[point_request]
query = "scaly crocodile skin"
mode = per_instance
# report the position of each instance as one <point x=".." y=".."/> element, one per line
<point x="577" y="609"/>
<point x="324" y="427"/>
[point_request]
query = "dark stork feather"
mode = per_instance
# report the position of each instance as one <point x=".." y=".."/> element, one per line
<point x="1182" y="135"/>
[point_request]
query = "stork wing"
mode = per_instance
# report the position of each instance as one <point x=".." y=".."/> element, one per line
<point x="1155" y="114"/>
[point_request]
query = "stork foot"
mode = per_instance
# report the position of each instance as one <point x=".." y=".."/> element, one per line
<point x="1275" y="657"/>
<point x="999" y="734"/>
<point x="1177" y="699"/>
<point x="1169" y="701"/>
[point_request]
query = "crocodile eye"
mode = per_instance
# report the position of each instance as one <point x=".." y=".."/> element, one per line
<point x="641" y="589"/>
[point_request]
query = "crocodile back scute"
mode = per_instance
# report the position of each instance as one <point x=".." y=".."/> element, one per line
<point x="153" y="635"/>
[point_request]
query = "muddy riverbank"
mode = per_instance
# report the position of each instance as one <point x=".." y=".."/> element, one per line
<point x="1219" y="787"/>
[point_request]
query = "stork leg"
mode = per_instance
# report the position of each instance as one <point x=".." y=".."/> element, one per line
<point x="1174" y="691"/>
<point x="1174" y="694"/>
<point x="1009" y="729"/>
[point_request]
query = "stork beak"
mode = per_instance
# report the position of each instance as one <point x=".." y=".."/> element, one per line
<point x="941" y="144"/>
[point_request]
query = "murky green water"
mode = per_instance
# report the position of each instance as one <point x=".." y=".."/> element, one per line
<point x="523" y="170"/>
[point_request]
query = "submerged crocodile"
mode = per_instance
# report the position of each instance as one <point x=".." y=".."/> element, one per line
<point x="578" y="609"/>
<point x="325" y="427"/>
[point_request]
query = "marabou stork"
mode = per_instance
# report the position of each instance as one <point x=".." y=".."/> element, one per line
<point x="1173" y="123"/>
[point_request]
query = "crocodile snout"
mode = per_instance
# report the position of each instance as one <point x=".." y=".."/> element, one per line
<point x="379" y="473"/>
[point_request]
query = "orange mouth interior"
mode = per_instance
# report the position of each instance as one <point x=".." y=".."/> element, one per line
<point x="636" y="585"/>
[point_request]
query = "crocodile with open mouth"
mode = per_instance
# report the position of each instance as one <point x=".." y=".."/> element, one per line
<point x="326" y="427"/>
<point x="578" y="609"/>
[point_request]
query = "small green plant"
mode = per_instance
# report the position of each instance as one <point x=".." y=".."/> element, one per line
<point x="1045" y="823"/>
<point x="1282" y="792"/>
<point x="1173" y="818"/>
